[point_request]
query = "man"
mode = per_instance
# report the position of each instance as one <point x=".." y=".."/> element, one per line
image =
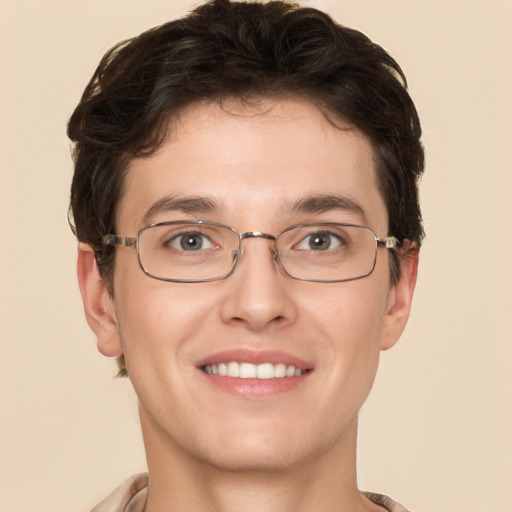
<point x="245" y="197"/>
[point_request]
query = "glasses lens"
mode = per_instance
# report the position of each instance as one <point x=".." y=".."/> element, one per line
<point x="327" y="252"/>
<point x="188" y="251"/>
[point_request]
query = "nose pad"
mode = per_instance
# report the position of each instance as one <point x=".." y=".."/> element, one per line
<point x="237" y="255"/>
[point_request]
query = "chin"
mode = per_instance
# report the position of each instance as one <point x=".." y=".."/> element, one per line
<point x="261" y="459"/>
<point x="264" y="449"/>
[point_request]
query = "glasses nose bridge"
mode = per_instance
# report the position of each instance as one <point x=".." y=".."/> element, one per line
<point x="258" y="234"/>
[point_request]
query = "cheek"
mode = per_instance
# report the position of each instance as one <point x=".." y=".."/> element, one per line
<point x="158" y="324"/>
<point x="156" y="318"/>
<point x="351" y="318"/>
<point x="357" y="341"/>
<point x="160" y="316"/>
<point x="352" y="313"/>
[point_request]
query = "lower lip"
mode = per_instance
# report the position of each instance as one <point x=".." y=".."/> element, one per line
<point x="256" y="389"/>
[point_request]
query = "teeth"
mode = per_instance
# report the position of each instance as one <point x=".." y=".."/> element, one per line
<point x="247" y="371"/>
<point x="280" y="370"/>
<point x="233" y="369"/>
<point x="253" y="371"/>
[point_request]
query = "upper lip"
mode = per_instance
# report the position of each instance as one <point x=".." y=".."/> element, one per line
<point x="256" y="357"/>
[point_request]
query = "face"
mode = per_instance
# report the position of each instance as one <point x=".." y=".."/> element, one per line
<point x="250" y="170"/>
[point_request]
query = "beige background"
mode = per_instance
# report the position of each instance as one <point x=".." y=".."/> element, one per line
<point x="437" y="430"/>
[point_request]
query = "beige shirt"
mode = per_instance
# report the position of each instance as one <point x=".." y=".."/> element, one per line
<point x="131" y="497"/>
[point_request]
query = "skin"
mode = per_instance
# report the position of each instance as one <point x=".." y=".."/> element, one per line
<point x="213" y="450"/>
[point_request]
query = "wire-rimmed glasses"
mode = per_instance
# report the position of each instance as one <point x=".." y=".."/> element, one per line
<point x="194" y="251"/>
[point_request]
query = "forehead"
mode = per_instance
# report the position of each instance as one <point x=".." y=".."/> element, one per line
<point x="251" y="160"/>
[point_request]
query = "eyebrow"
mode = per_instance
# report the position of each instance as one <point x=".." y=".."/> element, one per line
<point x="326" y="203"/>
<point x="314" y="204"/>
<point x="183" y="204"/>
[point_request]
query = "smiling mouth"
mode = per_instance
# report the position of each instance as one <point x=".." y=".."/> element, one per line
<point x="253" y="371"/>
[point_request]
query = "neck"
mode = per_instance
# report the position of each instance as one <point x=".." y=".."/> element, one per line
<point x="180" y="481"/>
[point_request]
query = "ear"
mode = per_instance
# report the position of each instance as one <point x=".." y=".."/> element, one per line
<point x="400" y="298"/>
<point x="98" y="305"/>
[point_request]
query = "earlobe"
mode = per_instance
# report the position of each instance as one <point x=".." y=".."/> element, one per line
<point x="98" y="305"/>
<point x="400" y="299"/>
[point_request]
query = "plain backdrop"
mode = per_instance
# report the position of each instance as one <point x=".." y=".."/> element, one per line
<point x="436" y="432"/>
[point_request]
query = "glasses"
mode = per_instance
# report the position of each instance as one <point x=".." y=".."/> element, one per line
<point x="195" y="251"/>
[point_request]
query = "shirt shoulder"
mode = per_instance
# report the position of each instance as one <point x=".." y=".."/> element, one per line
<point x="386" y="502"/>
<point x="130" y="496"/>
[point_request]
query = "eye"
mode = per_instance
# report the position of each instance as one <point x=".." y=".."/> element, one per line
<point x="319" y="241"/>
<point x="190" y="241"/>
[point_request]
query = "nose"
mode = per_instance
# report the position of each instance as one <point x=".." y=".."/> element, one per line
<point x="258" y="292"/>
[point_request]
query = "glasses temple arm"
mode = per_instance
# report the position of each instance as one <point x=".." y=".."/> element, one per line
<point x="123" y="241"/>
<point x="389" y="242"/>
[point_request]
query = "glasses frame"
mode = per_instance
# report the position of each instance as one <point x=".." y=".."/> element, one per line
<point x="132" y="242"/>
